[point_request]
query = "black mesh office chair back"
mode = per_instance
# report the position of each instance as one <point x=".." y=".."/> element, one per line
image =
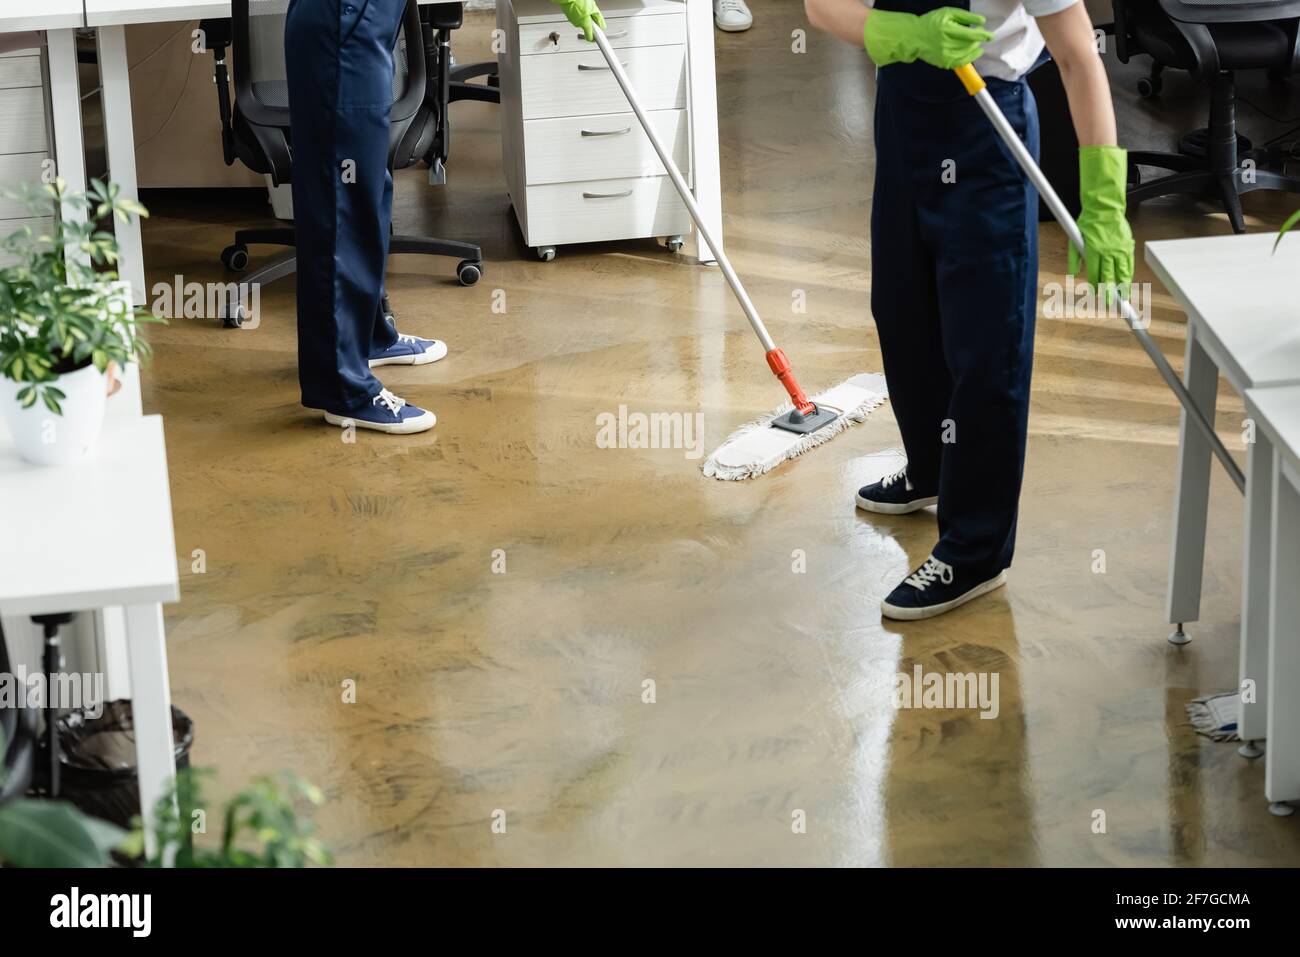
<point x="255" y="128"/>
<point x="1210" y="39"/>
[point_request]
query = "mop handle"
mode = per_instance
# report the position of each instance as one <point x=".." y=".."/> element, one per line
<point x="684" y="191"/>
<point x="974" y="84"/>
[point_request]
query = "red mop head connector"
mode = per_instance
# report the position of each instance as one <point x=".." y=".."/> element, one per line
<point x="780" y="366"/>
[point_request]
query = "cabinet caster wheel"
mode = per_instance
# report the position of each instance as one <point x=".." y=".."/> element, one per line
<point x="469" y="271"/>
<point x="675" y="244"/>
<point x="1249" y="749"/>
<point x="1149" y="87"/>
<point x="1280" y="809"/>
<point x="545" y="253"/>
<point x="235" y="257"/>
<point x="1179" y="637"/>
<point x="234" y="317"/>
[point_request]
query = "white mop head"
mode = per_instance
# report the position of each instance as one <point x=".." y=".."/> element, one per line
<point x="757" y="447"/>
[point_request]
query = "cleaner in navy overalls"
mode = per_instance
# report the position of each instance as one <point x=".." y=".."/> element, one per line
<point x="339" y="59"/>
<point x="954" y="259"/>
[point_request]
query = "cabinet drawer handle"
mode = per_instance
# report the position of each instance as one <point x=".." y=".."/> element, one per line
<point x="626" y="129"/>
<point x="608" y="36"/>
<point x="626" y="192"/>
<point x="584" y="66"/>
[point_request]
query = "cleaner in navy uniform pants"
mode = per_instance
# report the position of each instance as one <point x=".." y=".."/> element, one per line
<point x="339" y="59"/>
<point x="954" y="259"/>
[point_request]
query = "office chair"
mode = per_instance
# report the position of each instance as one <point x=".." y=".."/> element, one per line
<point x="255" y="130"/>
<point x="1210" y="39"/>
<point x="451" y="82"/>
<point x="20" y="733"/>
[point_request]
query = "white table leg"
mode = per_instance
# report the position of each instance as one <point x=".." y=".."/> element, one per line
<point x="65" y="109"/>
<point x="1282" y="762"/>
<point x="1252" y="717"/>
<point x="706" y="162"/>
<point x="119" y="139"/>
<point x="151" y="706"/>
<point x="1192" y="497"/>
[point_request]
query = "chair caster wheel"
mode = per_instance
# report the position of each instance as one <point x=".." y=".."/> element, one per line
<point x="235" y="257"/>
<point x="675" y="244"/>
<point x="545" y="253"/>
<point x="1149" y="87"/>
<point x="469" y="271"/>
<point x="1249" y="749"/>
<point x="235" y="316"/>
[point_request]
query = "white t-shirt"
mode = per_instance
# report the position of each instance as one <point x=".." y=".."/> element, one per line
<point x="1016" y="42"/>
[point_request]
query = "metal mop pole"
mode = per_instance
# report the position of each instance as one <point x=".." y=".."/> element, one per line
<point x="776" y="359"/>
<point x="974" y="84"/>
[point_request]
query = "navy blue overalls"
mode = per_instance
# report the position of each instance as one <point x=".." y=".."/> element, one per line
<point x="954" y="274"/>
<point x="339" y="59"/>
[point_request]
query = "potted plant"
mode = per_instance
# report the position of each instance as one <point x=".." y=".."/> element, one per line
<point x="65" y="321"/>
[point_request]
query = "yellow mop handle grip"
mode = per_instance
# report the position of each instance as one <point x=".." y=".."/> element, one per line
<point x="969" y="78"/>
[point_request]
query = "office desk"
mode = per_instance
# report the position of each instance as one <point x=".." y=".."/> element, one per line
<point x="98" y="535"/>
<point x="1277" y="413"/>
<point x="1242" y="322"/>
<point x="109" y="17"/>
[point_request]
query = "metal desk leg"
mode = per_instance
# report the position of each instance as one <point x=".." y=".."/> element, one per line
<point x="706" y="162"/>
<point x="119" y="137"/>
<point x="151" y="706"/>
<point x="1282" y="763"/>
<point x="1192" y="497"/>
<point x="65" y="110"/>
<point x="1252" y="717"/>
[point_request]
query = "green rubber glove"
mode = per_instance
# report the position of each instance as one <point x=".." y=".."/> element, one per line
<point x="1107" y="239"/>
<point x="583" y="14"/>
<point x="946" y="37"/>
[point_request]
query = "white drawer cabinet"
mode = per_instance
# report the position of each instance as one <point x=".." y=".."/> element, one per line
<point x="578" y="165"/>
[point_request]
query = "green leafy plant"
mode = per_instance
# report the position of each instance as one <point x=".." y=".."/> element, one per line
<point x="60" y="313"/>
<point x="260" y="825"/>
<point x="42" y="833"/>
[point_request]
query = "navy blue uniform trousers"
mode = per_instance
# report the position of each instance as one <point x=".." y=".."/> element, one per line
<point x="954" y="272"/>
<point x="339" y="59"/>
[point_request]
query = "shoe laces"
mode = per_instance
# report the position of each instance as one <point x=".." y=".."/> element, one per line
<point x="933" y="570"/>
<point x="409" y="340"/>
<point x="732" y="6"/>
<point x="889" y="480"/>
<point x="391" y="402"/>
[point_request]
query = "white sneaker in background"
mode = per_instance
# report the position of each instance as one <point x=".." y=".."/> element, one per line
<point x="732" y="15"/>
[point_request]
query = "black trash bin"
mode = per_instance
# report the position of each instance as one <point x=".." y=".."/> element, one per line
<point x="97" y="763"/>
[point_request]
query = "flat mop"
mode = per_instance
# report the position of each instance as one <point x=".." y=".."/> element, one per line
<point x="801" y="424"/>
<point x="974" y="85"/>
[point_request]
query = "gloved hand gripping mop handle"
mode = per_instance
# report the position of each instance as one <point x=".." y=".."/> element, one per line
<point x="776" y="359"/>
<point x="974" y="85"/>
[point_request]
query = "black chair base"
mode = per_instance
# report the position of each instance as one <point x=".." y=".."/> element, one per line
<point x="462" y="89"/>
<point x="1213" y="162"/>
<point x="233" y="315"/>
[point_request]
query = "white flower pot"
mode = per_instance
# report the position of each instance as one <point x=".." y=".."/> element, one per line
<point x="44" y="438"/>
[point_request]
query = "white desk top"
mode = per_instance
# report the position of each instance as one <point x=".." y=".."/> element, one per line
<point x="90" y="535"/>
<point x="20" y="15"/>
<point x="1277" y="412"/>
<point x="1242" y="299"/>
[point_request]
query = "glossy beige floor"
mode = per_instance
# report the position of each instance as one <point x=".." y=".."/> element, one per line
<point x="479" y="693"/>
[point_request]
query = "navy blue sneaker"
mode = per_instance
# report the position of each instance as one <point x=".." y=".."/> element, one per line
<point x="893" y="495"/>
<point x="410" y="351"/>
<point x="386" y="413"/>
<point x="933" y="589"/>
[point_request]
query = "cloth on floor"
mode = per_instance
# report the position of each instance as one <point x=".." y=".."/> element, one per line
<point x="1215" y="715"/>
